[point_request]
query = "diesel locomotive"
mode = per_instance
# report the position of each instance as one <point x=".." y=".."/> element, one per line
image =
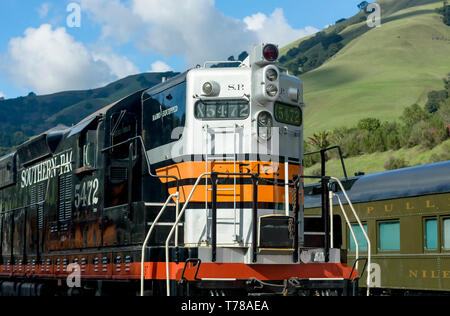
<point x="191" y="187"/>
<point x="406" y="214"/>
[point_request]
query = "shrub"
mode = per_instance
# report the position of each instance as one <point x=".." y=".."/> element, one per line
<point x="440" y="157"/>
<point x="317" y="172"/>
<point x="427" y="134"/>
<point x="444" y="112"/>
<point x="369" y="124"/>
<point x="309" y="160"/>
<point x="395" y="163"/>
<point x="414" y="114"/>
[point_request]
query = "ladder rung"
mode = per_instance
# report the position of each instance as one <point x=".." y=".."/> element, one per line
<point x="159" y="204"/>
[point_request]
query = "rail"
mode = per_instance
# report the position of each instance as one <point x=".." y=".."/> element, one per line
<point x="369" y="262"/>
<point x="176" y="225"/>
<point x="348" y="224"/>
<point x="147" y="238"/>
<point x="147" y="160"/>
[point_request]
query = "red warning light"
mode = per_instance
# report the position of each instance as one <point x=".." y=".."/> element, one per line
<point x="270" y="52"/>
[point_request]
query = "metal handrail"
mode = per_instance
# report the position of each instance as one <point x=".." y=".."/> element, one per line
<point x="369" y="263"/>
<point x="147" y="160"/>
<point x="147" y="238"/>
<point x="348" y="223"/>
<point x="180" y="215"/>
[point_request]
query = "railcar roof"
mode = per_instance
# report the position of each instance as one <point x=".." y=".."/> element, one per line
<point x="167" y="84"/>
<point x="106" y="108"/>
<point x="407" y="182"/>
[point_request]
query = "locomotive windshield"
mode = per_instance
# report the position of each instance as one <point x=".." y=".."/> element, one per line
<point x="163" y="112"/>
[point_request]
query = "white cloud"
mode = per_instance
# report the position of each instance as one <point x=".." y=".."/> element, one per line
<point x="256" y="21"/>
<point x="2" y="95"/>
<point x="194" y="29"/>
<point x="275" y="28"/>
<point x="160" y="66"/>
<point x="44" y="9"/>
<point x="117" y="20"/>
<point x="119" y="66"/>
<point x="47" y="61"/>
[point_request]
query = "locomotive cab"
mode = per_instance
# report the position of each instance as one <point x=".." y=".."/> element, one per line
<point x="235" y="122"/>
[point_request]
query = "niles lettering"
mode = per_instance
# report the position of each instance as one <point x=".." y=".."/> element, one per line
<point x="48" y="169"/>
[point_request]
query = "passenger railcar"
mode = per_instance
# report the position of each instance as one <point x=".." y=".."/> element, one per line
<point x="197" y="180"/>
<point x="406" y="214"/>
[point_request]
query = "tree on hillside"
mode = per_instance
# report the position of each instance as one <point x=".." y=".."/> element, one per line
<point x="435" y="98"/>
<point x="242" y="56"/>
<point x="445" y="11"/>
<point x="320" y="140"/>
<point x="363" y="5"/>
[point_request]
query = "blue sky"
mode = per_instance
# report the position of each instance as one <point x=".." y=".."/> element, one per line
<point x="39" y="51"/>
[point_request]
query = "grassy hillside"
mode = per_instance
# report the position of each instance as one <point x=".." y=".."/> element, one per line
<point x="379" y="71"/>
<point x="376" y="162"/>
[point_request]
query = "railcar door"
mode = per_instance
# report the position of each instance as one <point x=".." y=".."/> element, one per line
<point x="1" y="234"/>
<point x="123" y="220"/>
<point x="164" y="119"/>
<point x="87" y="192"/>
<point x="7" y="238"/>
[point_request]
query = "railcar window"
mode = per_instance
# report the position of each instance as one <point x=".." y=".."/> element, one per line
<point x="431" y="234"/>
<point x="446" y="225"/>
<point x="362" y="242"/>
<point x="162" y="114"/>
<point x="222" y="109"/>
<point x="389" y="236"/>
<point x="123" y="127"/>
<point x="89" y="149"/>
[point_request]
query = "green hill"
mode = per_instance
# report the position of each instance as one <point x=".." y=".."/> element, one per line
<point x="374" y="72"/>
<point x="24" y="117"/>
<point x="379" y="71"/>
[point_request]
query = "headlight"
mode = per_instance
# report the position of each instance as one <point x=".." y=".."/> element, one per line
<point x="207" y="88"/>
<point x="271" y="74"/>
<point x="211" y="88"/>
<point x="265" y="124"/>
<point x="272" y="90"/>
